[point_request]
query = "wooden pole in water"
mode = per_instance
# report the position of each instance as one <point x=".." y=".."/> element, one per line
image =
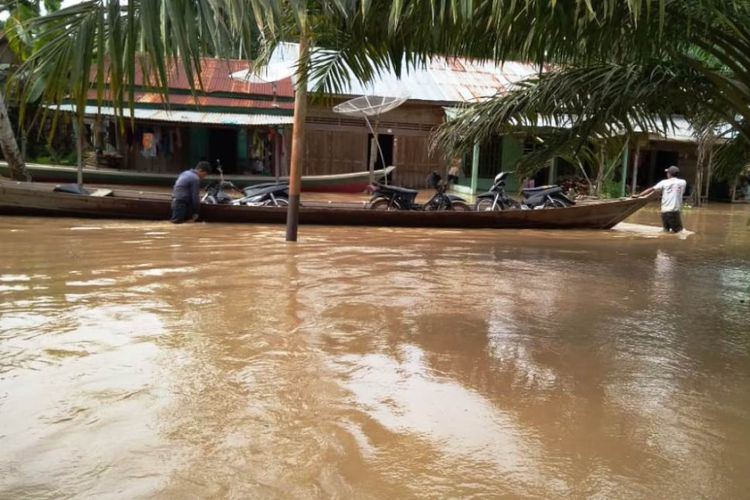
<point x="298" y="143"/>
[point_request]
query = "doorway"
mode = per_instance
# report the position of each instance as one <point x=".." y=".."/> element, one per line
<point x="651" y="169"/>
<point x="386" y="146"/>
<point x="222" y="146"/>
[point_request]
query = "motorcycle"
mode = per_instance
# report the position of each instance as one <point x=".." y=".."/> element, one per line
<point x="268" y="194"/>
<point x="216" y="191"/>
<point x="533" y="198"/>
<point x="388" y="197"/>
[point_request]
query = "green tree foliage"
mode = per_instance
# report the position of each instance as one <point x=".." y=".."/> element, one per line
<point x="619" y="64"/>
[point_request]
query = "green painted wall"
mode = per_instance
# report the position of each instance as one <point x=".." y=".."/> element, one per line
<point x="512" y="152"/>
<point x="198" y="144"/>
<point x="499" y="154"/>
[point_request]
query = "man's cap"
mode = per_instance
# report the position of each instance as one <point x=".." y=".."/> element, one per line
<point x="672" y="170"/>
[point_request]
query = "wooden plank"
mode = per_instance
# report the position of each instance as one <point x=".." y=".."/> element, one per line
<point x="101" y="192"/>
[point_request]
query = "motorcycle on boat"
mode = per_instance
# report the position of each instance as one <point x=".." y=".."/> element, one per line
<point x="388" y="197"/>
<point x="532" y="198"/>
<point x="269" y="194"/>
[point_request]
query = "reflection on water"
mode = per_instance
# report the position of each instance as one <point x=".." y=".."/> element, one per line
<point x="142" y="359"/>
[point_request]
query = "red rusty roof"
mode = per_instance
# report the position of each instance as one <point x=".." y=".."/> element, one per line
<point x="215" y="76"/>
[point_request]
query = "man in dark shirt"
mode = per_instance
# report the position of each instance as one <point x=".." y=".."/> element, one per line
<point x="186" y="193"/>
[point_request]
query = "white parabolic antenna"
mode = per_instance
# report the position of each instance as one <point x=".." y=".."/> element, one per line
<point x="367" y="106"/>
<point x="267" y="74"/>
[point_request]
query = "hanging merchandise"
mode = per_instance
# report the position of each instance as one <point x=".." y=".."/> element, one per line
<point x="149" y="145"/>
<point x="257" y="146"/>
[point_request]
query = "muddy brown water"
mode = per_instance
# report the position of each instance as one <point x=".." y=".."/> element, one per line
<point x="141" y="359"/>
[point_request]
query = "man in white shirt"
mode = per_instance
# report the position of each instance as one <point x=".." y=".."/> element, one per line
<point x="672" y="190"/>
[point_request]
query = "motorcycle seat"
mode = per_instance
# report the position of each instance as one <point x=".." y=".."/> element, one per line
<point x="264" y="189"/>
<point x="544" y="190"/>
<point x="396" y="189"/>
<point x="539" y="189"/>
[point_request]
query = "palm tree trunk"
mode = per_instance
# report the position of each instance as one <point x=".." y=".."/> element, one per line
<point x="706" y="141"/>
<point x="9" y="145"/>
<point x="600" y="175"/>
<point x="298" y="146"/>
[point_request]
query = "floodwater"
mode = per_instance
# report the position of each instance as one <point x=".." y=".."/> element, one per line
<point x="141" y="359"/>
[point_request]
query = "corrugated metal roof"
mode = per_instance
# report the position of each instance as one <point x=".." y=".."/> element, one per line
<point x="229" y="119"/>
<point x="454" y="80"/>
<point x="678" y="130"/>
<point x="205" y="101"/>
<point x="215" y="75"/>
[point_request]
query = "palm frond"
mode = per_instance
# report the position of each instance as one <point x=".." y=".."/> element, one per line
<point x="592" y="102"/>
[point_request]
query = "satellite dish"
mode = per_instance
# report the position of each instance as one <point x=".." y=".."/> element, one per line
<point x="266" y="74"/>
<point x="270" y="73"/>
<point x="366" y="106"/>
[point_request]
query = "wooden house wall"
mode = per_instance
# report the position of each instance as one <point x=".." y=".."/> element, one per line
<point x="177" y="161"/>
<point x="337" y="143"/>
<point x="415" y="162"/>
<point x="687" y="159"/>
<point x="329" y="151"/>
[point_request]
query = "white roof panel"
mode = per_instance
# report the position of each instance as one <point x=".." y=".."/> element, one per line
<point x="231" y="119"/>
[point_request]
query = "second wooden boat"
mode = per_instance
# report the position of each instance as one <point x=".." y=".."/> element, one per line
<point x="352" y="182"/>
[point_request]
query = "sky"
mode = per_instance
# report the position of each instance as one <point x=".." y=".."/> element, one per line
<point x="65" y="3"/>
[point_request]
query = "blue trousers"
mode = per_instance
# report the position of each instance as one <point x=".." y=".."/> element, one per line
<point x="182" y="211"/>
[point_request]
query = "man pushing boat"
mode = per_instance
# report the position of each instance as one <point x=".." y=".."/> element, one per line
<point x="186" y="193"/>
<point x="672" y="190"/>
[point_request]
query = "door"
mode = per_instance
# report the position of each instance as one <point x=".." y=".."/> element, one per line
<point x="222" y="146"/>
<point x="385" y="142"/>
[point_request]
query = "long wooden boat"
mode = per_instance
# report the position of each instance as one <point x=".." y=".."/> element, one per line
<point x="25" y="198"/>
<point x="28" y="198"/>
<point x="353" y="182"/>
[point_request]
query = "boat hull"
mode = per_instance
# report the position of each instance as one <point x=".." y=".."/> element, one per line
<point x="21" y="198"/>
<point x="354" y="182"/>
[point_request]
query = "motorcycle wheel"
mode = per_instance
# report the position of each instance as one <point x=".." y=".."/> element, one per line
<point x="382" y="204"/>
<point x="460" y="206"/>
<point x="555" y="203"/>
<point x="437" y="203"/>
<point x="484" y="205"/>
<point x="280" y="202"/>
